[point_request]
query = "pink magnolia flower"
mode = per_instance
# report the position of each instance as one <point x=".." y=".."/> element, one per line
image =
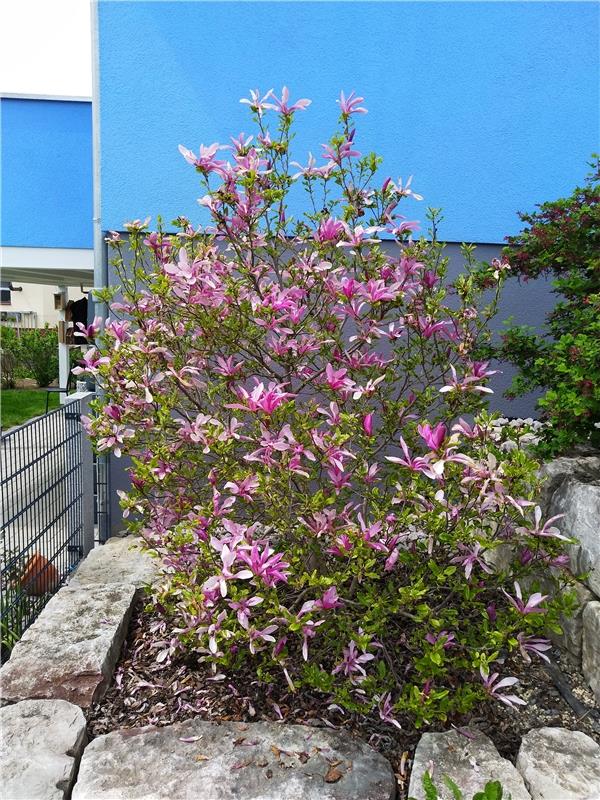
<point x="447" y="638"/>
<point x="329" y="600"/>
<point x="433" y="437"/>
<point x="89" y="331"/>
<point x="339" y="480"/>
<point x="491" y="684"/>
<point x="531" y="606"/>
<point x="545" y="531"/>
<point x="244" y="488"/>
<point x="342" y="546"/>
<point x="352" y="662"/>
<point x="417" y="464"/>
<point x="332" y="414"/>
<point x="329" y="230"/>
<point x="341" y="151"/>
<point x="243" y="609"/>
<point x="260" y="398"/>
<point x="90" y="362"/>
<point x="283" y="106"/>
<point x="228" y="557"/>
<point x="257" y="104"/>
<point x="228" y="367"/>
<point x="533" y="644"/>
<point x="206" y="161"/>
<point x="405" y="190"/>
<point x="351" y="104"/>
<point x="266" y="564"/>
<point x="368" y="389"/>
<point x="386" y="709"/>
<point x="468" y="383"/>
<point x="336" y="379"/>
<point x="367" y="424"/>
<point x="309" y="632"/>
<point x="256" y="637"/>
<point x="469" y="558"/>
<point x="311" y="169"/>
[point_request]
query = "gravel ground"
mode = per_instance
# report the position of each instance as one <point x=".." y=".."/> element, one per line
<point x="145" y="692"/>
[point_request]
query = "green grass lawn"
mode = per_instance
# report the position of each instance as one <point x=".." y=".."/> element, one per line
<point x="19" y="405"/>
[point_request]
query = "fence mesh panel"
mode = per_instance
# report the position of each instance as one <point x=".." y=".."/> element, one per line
<point x="42" y="515"/>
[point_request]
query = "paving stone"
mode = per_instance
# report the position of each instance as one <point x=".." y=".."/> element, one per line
<point x="40" y="745"/>
<point x="258" y="761"/>
<point x="590" y="657"/>
<point x="118" y="561"/>
<point x="558" y="764"/>
<point x="469" y="762"/>
<point x="70" y="651"/>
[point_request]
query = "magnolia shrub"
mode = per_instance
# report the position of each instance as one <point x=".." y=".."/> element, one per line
<point x="301" y="402"/>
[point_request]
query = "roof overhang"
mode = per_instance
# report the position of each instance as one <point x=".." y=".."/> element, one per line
<point x="51" y="266"/>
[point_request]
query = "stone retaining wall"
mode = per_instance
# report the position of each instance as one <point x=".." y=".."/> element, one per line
<point x="572" y="488"/>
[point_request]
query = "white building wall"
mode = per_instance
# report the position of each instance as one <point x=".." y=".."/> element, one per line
<point x="35" y="303"/>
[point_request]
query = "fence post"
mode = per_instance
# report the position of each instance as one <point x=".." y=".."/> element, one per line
<point x="87" y="474"/>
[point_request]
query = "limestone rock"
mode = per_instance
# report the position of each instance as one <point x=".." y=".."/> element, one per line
<point x="558" y="764"/>
<point x="70" y="651"/>
<point x="571" y="638"/>
<point x="259" y="761"/>
<point x="469" y="762"/>
<point x="580" y="503"/>
<point x="118" y="561"/>
<point x="590" y="658"/>
<point x="40" y="745"/>
<point x="583" y="468"/>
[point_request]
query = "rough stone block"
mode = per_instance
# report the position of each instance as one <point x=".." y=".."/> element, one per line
<point x="118" y="561"/>
<point x="260" y="761"/>
<point x="583" y="468"/>
<point x="558" y="764"/>
<point x="590" y="657"/>
<point x="571" y="639"/>
<point x="70" y="651"/>
<point x="469" y="762"/>
<point x="580" y="504"/>
<point x="40" y="745"/>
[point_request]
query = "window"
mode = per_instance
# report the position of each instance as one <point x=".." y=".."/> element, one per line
<point x="5" y="294"/>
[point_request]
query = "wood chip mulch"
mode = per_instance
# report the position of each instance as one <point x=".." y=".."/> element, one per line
<point x="146" y="692"/>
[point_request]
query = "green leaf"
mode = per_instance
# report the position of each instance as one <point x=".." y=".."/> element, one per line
<point x="456" y="792"/>
<point x="431" y="792"/>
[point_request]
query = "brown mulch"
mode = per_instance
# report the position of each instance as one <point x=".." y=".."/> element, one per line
<point x="146" y="692"/>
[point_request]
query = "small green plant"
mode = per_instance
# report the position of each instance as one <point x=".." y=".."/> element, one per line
<point x="562" y="240"/>
<point x="492" y="790"/>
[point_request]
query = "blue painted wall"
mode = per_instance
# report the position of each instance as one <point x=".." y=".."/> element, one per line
<point x="492" y="106"/>
<point x="46" y="173"/>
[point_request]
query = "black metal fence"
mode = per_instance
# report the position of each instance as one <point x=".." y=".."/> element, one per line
<point x="42" y="526"/>
<point x="101" y="498"/>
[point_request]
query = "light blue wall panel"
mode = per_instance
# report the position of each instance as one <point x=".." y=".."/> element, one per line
<point x="493" y="106"/>
<point x="46" y="173"/>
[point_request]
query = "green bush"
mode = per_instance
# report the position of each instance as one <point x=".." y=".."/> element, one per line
<point x="38" y="349"/>
<point x="561" y="239"/>
<point x="9" y="356"/>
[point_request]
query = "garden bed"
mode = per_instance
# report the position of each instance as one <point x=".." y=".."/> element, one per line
<point x="147" y="692"/>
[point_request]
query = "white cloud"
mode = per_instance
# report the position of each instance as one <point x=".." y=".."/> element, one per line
<point x="45" y="47"/>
